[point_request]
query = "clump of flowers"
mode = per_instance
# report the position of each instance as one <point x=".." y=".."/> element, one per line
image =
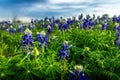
<point x="78" y="73"/>
<point x="117" y="27"/>
<point x="42" y="38"/>
<point x="20" y="29"/>
<point x="104" y="25"/>
<point x="117" y="40"/>
<point x="49" y="29"/>
<point x="4" y="27"/>
<point x="27" y="40"/>
<point x="87" y="23"/>
<point x="64" y="51"/>
<point x="12" y="30"/>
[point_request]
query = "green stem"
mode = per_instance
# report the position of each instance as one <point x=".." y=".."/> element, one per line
<point x="24" y="58"/>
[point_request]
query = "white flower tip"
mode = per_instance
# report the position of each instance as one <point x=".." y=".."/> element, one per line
<point x="27" y="31"/>
<point x="66" y="42"/>
<point x="70" y="46"/>
<point x="48" y="26"/>
<point x="43" y="33"/>
<point x="11" y="26"/>
<point x="116" y="24"/>
<point x="38" y="32"/>
<point x="78" y="68"/>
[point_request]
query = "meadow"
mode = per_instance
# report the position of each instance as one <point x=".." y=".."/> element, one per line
<point x="77" y="48"/>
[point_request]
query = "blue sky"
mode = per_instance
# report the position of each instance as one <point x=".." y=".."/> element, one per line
<point x="26" y="9"/>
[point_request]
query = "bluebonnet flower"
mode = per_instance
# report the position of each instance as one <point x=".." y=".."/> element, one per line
<point x="65" y="26"/>
<point x="57" y="21"/>
<point x="51" y="24"/>
<point x="72" y="75"/>
<point x="118" y="19"/>
<point x="117" y="42"/>
<point x="114" y="18"/>
<point x="27" y="40"/>
<point x="87" y="23"/>
<point x="20" y="28"/>
<point x="4" y="27"/>
<point x="78" y="73"/>
<point x="46" y="18"/>
<point x="118" y="34"/>
<point x="12" y="30"/>
<point x="104" y="25"/>
<point x="49" y="29"/>
<point x="64" y="51"/>
<point x="80" y="17"/>
<point x="43" y="39"/>
<point x="69" y="21"/>
<point x="117" y="27"/>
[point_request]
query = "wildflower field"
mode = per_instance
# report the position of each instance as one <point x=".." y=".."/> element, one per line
<point x="77" y="48"/>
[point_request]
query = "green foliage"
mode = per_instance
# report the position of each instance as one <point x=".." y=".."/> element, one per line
<point x="94" y="49"/>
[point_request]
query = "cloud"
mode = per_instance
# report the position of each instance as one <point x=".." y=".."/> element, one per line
<point x="41" y="8"/>
<point x="70" y="1"/>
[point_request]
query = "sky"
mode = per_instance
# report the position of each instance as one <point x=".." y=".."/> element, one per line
<point x="37" y="9"/>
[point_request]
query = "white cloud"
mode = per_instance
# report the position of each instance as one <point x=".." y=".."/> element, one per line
<point x="67" y="8"/>
<point x="69" y="1"/>
<point x="104" y="9"/>
<point x="42" y="7"/>
<point x="52" y="8"/>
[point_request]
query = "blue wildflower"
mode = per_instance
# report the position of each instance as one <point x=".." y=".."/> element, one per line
<point x="27" y="39"/>
<point x="49" y="29"/>
<point x="57" y="21"/>
<point x="20" y="28"/>
<point x="104" y="26"/>
<point x="117" y="27"/>
<point x="4" y="28"/>
<point x="65" y="26"/>
<point x="42" y="38"/>
<point x="72" y="75"/>
<point x="12" y="30"/>
<point x="80" y="17"/>
<point x="63" y="54"/>
<point x="46" y="18"/>
<point x="117" y="42"/>
<point x="114" y="18"/>
<point x="78" y="73"/>
<point x="60" y="26"/>
<point x="118" y="34"/>
<point x="118" y="19"/>
<point x="64" y="51"/>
